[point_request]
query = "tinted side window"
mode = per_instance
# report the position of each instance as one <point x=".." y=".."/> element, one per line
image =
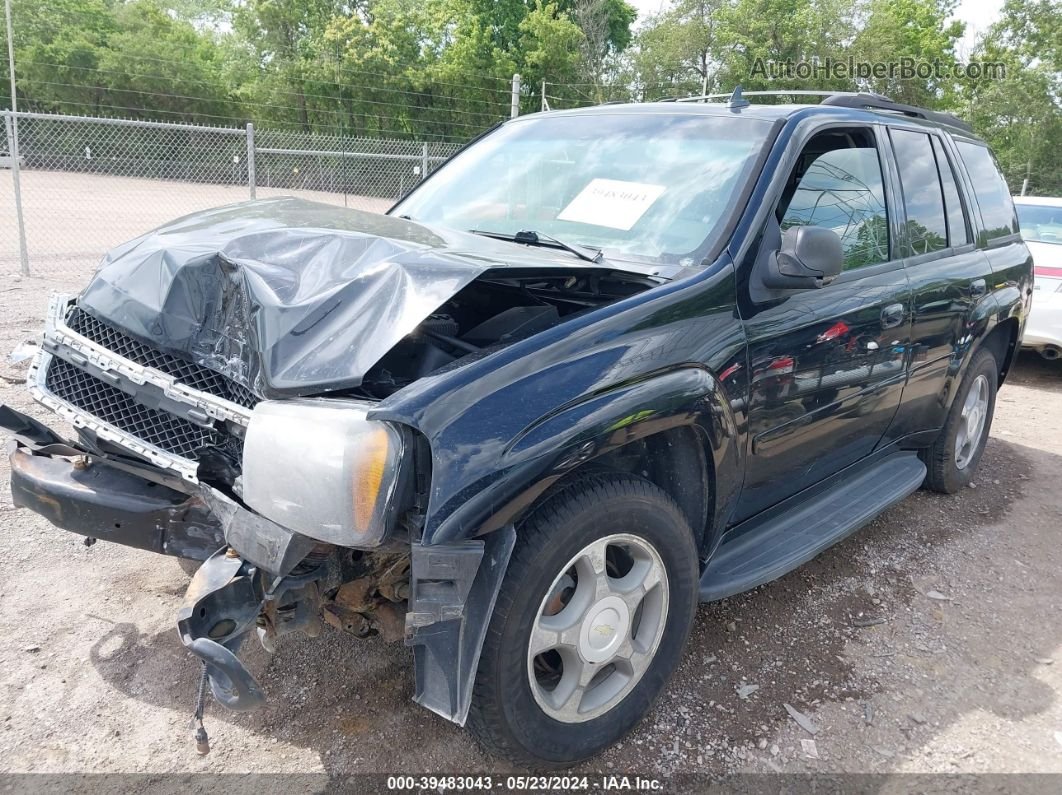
<point x="958" y="232"/>
<point x="993" y="195"/>
<point x="927" y="229"/>
<point x="843" y="190"/>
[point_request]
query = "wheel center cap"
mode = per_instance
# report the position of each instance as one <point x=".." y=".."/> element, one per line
<point x="604" y="629"/>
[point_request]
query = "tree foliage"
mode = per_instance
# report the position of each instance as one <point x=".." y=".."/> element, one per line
<point x="1020" y="117"/>
<point x="441" y="69"/>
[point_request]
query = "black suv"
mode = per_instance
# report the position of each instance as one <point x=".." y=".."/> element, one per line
<point x="602" y="365"/>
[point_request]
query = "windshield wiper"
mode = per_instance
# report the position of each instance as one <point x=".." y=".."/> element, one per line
<point x="531" y="238"/>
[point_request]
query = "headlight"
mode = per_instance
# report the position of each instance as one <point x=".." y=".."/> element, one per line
<point x="318" y="467"/>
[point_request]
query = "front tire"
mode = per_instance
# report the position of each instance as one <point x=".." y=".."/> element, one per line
<point x="590" y="622"/>
<point x="952" y="460"/>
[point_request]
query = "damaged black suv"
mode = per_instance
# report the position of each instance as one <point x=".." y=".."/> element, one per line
<point x="600" y="366"/>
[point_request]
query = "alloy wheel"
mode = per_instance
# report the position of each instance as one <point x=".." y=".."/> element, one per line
<point x="598" y="628"/>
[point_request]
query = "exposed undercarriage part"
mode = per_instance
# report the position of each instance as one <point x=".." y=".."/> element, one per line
<point x="364" y="594"/>
<point x="490" y="313"/>
<point x="374" y="602"/>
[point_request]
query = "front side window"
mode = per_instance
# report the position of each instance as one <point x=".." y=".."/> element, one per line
<point x="647" y="186"/>
<point x="927" y="228"/>
<point x="843" y="190"/>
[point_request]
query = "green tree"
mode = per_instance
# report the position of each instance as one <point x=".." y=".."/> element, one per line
<point x="752" y="34"/>
<point x="189" y="84"/>
<point x="58" y="44"/>
<point x="606" y="32"/>
<point x="678" y="50"/>
<point x="1021" y="116"/>
<point x="918" y="30"/>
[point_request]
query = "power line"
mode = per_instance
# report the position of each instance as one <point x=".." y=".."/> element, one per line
<point x="316" y="110"/>
<point x="422" y="69"/>
<point x="294" y="93"/>
<point x="233" y="101"/>
<point x="417" y="135"/>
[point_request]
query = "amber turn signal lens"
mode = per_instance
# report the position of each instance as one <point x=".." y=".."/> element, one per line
<point x="369" y="473"/>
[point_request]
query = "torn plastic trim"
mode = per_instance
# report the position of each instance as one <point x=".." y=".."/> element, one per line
<point x="229" y="597"/>
<point x="454" y="590"/>
<point x="221" y="605"/>
<point x="80" y="351"/>
<point x="261" y="541"/>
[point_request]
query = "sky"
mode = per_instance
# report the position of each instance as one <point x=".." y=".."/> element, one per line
<point x="977" y="14"/>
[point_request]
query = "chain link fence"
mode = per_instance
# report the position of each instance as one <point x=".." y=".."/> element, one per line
<point x="88" y="184"/>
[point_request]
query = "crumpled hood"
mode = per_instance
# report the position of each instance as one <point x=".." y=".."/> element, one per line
<point x="285" y="296"/>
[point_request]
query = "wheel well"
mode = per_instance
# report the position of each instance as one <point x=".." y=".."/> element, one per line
<point x="1002" y="341"/>
<point x="675" y="460"/>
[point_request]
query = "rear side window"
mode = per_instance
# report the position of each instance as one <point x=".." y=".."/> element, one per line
<point x="958" y="232"/>
<point x="927" y="228"/>
<point x="993" y="195"/>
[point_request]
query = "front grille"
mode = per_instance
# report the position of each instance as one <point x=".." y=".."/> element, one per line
<point x="115" y="407"/>
<point x="192" y="375"/>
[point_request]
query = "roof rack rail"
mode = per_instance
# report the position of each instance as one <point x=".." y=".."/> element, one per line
<point x="792" y="93"/>
<point x="863" y="100"/>
<point x="878" y="102"/>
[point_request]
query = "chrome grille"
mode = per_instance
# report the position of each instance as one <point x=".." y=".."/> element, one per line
<point x="113" y="406"/>
<point x="190" y="374"/>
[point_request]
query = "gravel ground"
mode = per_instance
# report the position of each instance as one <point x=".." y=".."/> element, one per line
<point x="929" y="642"/>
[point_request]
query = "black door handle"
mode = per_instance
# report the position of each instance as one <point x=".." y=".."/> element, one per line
<point x="892" y="316"/>
<point x="978" y="288"/>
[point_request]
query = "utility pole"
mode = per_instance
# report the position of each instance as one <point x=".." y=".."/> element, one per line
<point x="514" y="109"/>
<point x="12" y="145"/>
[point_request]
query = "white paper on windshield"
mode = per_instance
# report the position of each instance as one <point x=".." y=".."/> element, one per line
<point x="612" y="203"/>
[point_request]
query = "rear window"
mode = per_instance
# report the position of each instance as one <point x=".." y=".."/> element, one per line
<point x="1041" y="222"/>
<point x="993" y="195"/>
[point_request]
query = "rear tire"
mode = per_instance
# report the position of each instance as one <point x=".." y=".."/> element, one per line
<point x="604" y="580"/>
<point x="952" y="460"/>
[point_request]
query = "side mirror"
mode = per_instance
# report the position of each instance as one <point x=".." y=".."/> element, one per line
<point x="810" y="257"/>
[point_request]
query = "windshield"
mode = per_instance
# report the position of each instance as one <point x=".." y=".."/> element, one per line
<point x="1040" y="222"/>
<point x="646" y="186"/>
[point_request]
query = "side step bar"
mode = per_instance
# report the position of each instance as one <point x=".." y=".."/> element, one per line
<point x="793" y="537"/>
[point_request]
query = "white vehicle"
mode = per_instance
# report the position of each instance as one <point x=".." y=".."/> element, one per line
<point x="1040" y="218"/>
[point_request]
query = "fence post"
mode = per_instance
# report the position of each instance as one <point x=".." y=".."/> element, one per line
<point x="424" y="161"/>
<point x="514" y="110"/>
<point x="10" y="124"/>
<point x="250" y="160"/>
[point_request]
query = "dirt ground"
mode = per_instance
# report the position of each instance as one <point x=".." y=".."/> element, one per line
<point x="931" y="641"/>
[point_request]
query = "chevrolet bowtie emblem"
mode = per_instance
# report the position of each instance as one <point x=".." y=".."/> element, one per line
<point x="604" y="629"/>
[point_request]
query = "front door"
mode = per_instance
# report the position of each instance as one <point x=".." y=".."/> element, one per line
<point x="827" y="366"/>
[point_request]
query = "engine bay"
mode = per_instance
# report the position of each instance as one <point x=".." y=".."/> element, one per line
<point x="490" y="313"/>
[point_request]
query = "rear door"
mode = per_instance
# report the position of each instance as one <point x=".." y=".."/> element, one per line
<point x="946" y="271"/>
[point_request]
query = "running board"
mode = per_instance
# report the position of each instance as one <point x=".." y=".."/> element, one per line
<point x="796" y="535"/>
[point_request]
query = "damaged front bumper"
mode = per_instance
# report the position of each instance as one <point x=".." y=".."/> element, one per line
<point x="272" y="586"/>
<point x="259" y="577"/>
<point x="112" y="501"/>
